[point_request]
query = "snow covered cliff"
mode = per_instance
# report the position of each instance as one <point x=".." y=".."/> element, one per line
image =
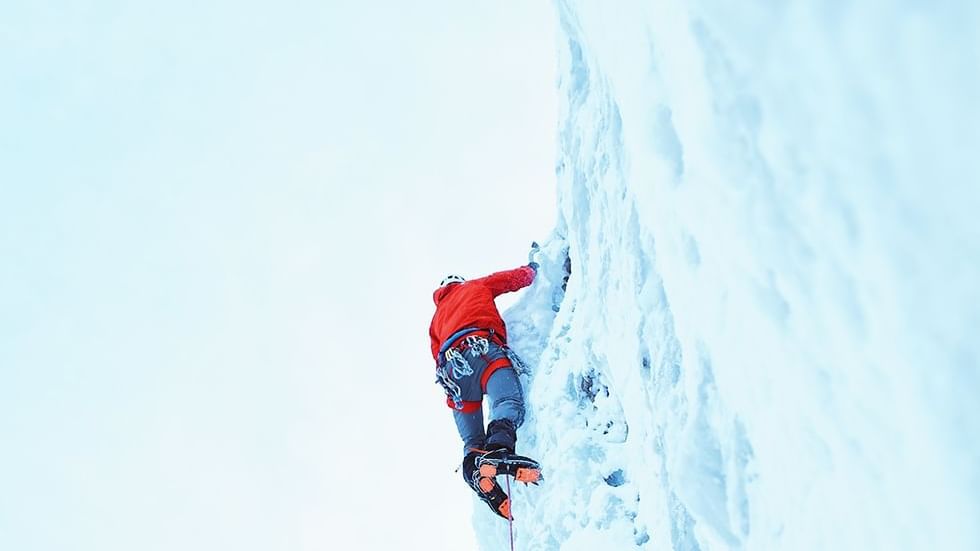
<point x="771" y="331"/>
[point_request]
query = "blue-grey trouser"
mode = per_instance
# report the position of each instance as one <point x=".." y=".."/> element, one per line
<point x="506" y="402"/>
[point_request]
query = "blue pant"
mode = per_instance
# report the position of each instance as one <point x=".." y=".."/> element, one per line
<point x="506" y="402"/>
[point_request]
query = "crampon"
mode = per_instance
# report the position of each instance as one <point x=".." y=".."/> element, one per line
<point x="499" y="462"/>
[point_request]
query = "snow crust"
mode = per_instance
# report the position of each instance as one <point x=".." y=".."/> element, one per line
<point x="769" y="338"/>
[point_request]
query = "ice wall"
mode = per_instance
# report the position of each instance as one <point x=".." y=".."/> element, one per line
<point x="769" y="335"/>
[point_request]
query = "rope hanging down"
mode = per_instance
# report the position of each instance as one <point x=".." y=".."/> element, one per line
<point x="510" y="516"/>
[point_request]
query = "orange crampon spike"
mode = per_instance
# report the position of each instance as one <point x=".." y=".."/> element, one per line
<point x="487" y="484"/>
<point x="505" y="509"/>
<point x="526" y="475"/>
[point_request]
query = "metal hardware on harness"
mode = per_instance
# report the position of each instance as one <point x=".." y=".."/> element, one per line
<point x="516" y="362"/>
<point x="461" y="368"/>
<point x="452" y="389"/>
<point x="477" y="345"/>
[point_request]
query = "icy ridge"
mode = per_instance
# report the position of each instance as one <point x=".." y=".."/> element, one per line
<point x="610" y="381"/>
<point x="765" y="341"/>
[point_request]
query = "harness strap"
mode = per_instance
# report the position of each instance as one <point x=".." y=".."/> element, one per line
<point x="463" y="406"/>
<point x="499" y="363"/>
<point x="465" y="332"/>
<point x="454" y="337"/>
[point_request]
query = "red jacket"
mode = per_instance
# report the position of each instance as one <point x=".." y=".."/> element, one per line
<point x="470" y="304"/>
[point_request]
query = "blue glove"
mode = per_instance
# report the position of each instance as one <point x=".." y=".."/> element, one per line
<point x="534" y="266"/>
<point x="534" y="250"/>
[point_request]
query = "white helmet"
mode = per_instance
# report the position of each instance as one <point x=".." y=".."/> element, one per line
<point x="451" y="279"/>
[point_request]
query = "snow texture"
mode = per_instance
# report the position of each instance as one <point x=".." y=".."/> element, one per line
<point x="769" y="338"/>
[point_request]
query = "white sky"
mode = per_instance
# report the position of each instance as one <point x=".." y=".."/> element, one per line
<point x="220" y="227"/>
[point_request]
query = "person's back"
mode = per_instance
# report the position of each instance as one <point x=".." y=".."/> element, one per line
<point x="464" y="304"/>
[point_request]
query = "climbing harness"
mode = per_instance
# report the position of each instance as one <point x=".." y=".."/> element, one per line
<point x="454" y="366"/>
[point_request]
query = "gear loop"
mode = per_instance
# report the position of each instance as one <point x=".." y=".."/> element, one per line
<point x="453" y="391"/>
<point x="477" y="345"/>
<point x="516" y="362"/>
<point x="457" y="361"/>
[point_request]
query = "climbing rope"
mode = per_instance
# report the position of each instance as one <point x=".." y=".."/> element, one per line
<point x="510" y="515"/>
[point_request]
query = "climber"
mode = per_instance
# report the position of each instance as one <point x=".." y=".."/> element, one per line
<point x="469" y="345"/>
